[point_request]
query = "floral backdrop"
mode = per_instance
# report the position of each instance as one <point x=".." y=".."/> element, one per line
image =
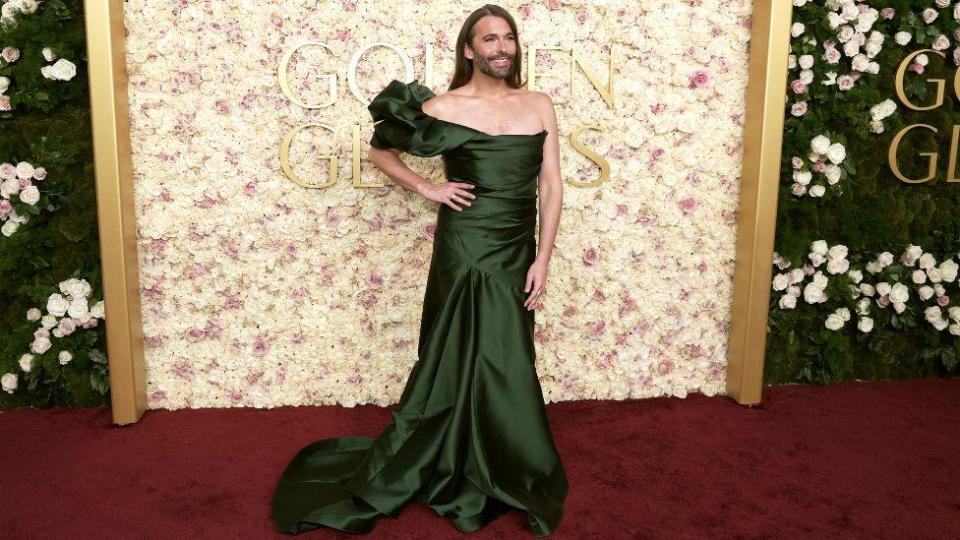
<point x="258" y="292"/>
<point x="52" y="340"/>
<point x="865" y="269"/>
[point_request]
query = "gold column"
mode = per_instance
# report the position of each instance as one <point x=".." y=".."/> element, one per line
<point x="115" y="208"/>
<point x="760" y="182"/>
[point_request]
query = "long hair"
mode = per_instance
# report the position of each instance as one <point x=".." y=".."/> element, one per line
<point x="463" y="71"/>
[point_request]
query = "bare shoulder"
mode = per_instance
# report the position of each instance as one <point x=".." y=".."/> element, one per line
<point x="543" y="104"/>
<point x="439" y="105"/>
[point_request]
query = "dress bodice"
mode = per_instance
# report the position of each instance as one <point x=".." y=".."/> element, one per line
<point x="506" y="164"/>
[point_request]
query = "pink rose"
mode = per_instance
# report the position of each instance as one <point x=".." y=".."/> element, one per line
<point x="591" y="257"/>
<point x="943" y="301"/>
<point x="888" y="13"/>
<point x="699" y="78"/>
<point x="798" y="86"/>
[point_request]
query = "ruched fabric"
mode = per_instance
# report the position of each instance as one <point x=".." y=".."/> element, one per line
<point x="469" y="436"/>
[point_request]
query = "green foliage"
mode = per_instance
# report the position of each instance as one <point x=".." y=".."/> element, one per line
<point x="49" y="127"/>
<point x="875" y="212"/>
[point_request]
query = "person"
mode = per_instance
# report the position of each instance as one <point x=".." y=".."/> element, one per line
<point x="469" y="436"/>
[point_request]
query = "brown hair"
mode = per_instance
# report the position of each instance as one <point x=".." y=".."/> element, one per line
<point x="463" y="70"/>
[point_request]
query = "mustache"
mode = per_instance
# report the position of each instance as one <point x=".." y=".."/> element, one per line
<point x="500" y="58"/>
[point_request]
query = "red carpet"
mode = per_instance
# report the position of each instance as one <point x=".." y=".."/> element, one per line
<point x="853" y="460"/>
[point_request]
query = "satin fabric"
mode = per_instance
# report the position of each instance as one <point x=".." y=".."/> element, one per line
<point x="469" y="436"/>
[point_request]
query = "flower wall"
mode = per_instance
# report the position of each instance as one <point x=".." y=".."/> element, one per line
<point x="865" y="269"/>
<point x="259" y="292"/>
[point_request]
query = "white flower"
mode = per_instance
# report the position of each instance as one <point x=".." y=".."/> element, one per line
<point x="865" y="324"/>
<point x="902" y="38"/>
<point x="899" y="307"/>
<point x="802" y="177"/>
<point x="819" y="247"/>
<point x="927" y="261"/>
<point x="856" y="275"/>
<point x="918" y="277"/>
<point x="797" y="29"/>
<point x="867" y="289"/>
<point x="40" y="345"/>
<point x="833" y="322"/>
<point x="948" y="269"/>
<point x="57" y="305"/>
<point x="806" y="61"/>
<point x="788" y="301"/>
<point x="940" y="324"/>
<point x="836" y="153"/>
<point x="863" y="306"/>
<point x="75" y="288"/>
<point x="954" y="313"/>
<point x="30" y="195"/>
<point x="832" y="172"/>
<point x="796" y="275"/>
<point x="922" y="59"/>
<point x="26" y="362"/>
<point x="4" y="84"/>
<point x="9" y="382"/>
<point x="955" y="328"/>
<point x="63" y="70"/>
<point x="838" y="251"/>
<point x="940" y="43"/>
<point x="813" y="294"/>
<point x="883" y="109"/>
<point x="844" y="313"/>
<point x="820" y="144"/>
<point x="838" y="266"/>
<point x="932" y="314"/>
<point x="97" y="310"/>
<point x="10" y="227"/>
<point x="34" y="314"/>
<point x="925" y="292"/>
<point x="935" y="275"/>
<point x="64" y="357"/>
<point x="899" y="292"/>
<point x="48" y="321"/>
<point x="48" y="54"/>
<point x="780" y="282"/>
<point x="939" y="290"/>
<point x="78" y="308"/>
<point x="928" y="15"/>
<point x="817" y="191"/>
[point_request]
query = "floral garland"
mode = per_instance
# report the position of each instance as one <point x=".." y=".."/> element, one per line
<point x="18" y="194"/>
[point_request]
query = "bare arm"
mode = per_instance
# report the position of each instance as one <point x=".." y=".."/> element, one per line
<point x="550" y="185"/>
<point x="449" y="193"/>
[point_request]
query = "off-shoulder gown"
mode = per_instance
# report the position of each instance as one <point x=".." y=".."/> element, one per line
<point x="469" y="436"/>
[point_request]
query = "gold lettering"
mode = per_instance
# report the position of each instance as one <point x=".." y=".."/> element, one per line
<point x="591" y="155"/>
<point x="285" y="158"/>
<point x="898" y="84"/>
<point x="285" y="85"/>
<point x="892" y="156"/>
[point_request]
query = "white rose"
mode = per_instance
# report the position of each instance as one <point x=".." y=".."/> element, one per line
<point x="820" y="247"/>
<point x="838" y="251"/>
<point x="97" y="310"/>
<point x="28" y="6"/>
<point x="75" y="288"/>
<point x="820" y="144"/>
<point x="63" y="70"/>
<point x="4" y="84"/>
<point x="64" y="357"/>
<point x="48" y="54"/>
<point x="863" y="306"/>
<point x="813" y="294"/>
<point x="939" y="290"/>
<point x="818" y="191"/>
<point x="34" y="314"/>
<point x="948" y="269"/>
<point x="935" y="275"/>
<point x="833" y="322"/>
<point x="806" y="76"/>
<point x="955" y="328"/>
<point x="802" y="177"/>
<point x="940" y="43"/>
<point x="899" y="292"/>
<point x="855" y="275"/>
<point x="927" y="261"/>
<point x="838" y="266"/>
<point x="832" y="172"/>
<point x="26" y="362"/>
<point x="78" y="308"/>
<point x="925" y="292"/>
<point x="806" y="61"/>
<point x="844" y="313"/>
<point x="860" y="62"/>
<point x="918" y="277"/>
<point x="899" y="307"/>
<point x="11" y="187"/>
<point x="794" y="290"/>
<point x="816" y="259"/>
<point x="796" y="275"/>
<point x="954" y="313"/>
<point x="780" y="282"/>
<point x="911" y="254"/>
<point x="820" y="280"/>
<point x="30" y="195"/>
<point x="932" y="314"/>
<point x="788" y="301"/>
<point x="9" y="382"/>
<point x="48" y="321"/>
<point x="940" y="324"/>
<point x="797" y="29"/>
<point x="928" y="15"/>
<point x="57" y="305"/>
<point x="836" y="152"/>
<point x="867" y="289"/>
<point x="40" y="345"/>
<point x="865" y="324"/>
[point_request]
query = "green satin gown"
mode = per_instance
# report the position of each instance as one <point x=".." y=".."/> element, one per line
<point x="469" y="436"/>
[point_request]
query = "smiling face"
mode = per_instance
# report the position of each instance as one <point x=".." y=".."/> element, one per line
<point x="493" y="47"/>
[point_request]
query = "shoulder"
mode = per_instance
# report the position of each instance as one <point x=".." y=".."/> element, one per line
<point x="439" y="105"/>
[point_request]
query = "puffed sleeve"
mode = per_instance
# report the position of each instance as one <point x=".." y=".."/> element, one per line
<point x="401" y="122"/>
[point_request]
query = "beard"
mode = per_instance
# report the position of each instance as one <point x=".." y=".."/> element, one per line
<point x="485" y="66"/>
